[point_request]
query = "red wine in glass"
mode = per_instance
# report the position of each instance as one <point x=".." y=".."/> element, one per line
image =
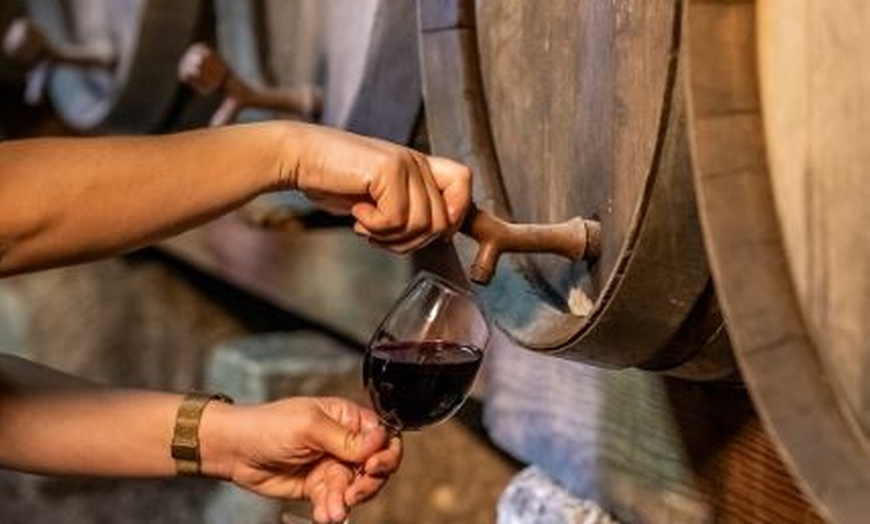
<point x="423" y="358"/>
<point x="416" y="384"/>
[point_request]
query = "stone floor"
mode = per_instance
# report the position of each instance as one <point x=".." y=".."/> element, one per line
<point x="141" y="322"/>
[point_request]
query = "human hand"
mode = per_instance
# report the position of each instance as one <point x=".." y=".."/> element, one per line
<point x="328" y="450"/>
<point x="401" y="199"/>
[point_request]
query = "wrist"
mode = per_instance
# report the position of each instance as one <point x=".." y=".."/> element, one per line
<point x="217" y="440"/>
<point x="287" y="156"/>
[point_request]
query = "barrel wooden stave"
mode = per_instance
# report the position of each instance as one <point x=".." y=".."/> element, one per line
<point x="814" y="106"/>
<point x="779" y="104"/>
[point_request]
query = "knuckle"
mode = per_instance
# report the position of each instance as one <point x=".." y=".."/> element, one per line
<point x="389" y="162"/>
<point x="464" y="173"/>
<point x="308" y="418"/>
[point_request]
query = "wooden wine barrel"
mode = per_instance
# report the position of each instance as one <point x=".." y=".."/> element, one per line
<point x="146" y="37"/>
<point x="362" y="55"/>
<point x="574" y="108"/>
<point x="780" y="118"/>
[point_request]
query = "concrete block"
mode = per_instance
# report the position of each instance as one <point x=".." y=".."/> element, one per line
<point x="268" y="366"/>
<point x="231" y="505"/>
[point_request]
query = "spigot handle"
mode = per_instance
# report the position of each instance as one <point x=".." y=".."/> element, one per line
<point x="28" y="44"/>
<point x="206" y="71"/>
<point x="575" y="239"/>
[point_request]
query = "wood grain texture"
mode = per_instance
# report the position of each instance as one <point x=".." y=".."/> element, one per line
<point x="566" y="109"/>
<point x="779" y="99"/>
<point x="815" y="87"/>
<point x="148" y="37"/>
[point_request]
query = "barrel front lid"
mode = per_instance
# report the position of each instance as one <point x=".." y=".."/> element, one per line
<point x="573" y="109"/>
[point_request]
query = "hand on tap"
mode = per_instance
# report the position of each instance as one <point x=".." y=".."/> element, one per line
<point x="401" y="199"/>
<point x="69" y="200"/>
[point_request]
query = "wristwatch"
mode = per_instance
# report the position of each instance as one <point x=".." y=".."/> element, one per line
<point x="185" y="437"/>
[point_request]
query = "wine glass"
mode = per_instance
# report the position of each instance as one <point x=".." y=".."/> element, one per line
<point x="423" y="358"/>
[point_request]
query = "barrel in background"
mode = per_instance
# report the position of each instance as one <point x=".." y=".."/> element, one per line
<point x="361" y="54"/>
<point x="139" y="91"/>
<point x="779" y="125"/>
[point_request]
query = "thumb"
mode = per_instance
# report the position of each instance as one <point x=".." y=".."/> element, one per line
<point x="347" y="445"/>
<point x="454" y="182"/>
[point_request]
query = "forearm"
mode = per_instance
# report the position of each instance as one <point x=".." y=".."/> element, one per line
<point x="329" y="450"/>
<point x="69" y="200"/>
<point x="52" y="423"/>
